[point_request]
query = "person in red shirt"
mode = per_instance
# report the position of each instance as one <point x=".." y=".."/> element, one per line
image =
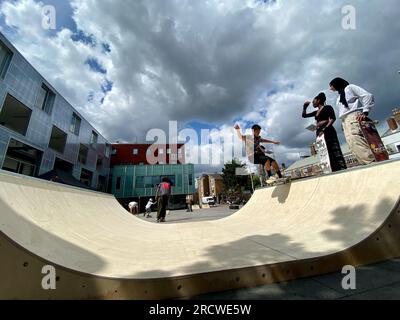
<point x="164" y="191"/>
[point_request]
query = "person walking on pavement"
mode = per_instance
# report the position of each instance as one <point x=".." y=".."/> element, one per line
<point x="164" y="191"/>
<point x="189" y="202"/>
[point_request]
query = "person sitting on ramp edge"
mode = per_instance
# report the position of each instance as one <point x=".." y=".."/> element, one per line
<point x="256" y="154"/>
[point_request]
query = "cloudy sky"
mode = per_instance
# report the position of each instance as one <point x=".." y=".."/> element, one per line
<point x="130" y="66"/>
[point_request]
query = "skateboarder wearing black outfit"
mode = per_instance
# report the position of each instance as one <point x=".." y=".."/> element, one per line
<point x="256" y="153"/>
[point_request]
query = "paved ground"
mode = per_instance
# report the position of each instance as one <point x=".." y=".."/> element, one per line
<point x="181" y="216"/>
<point x="378" y="281"/>
<point x="375" y="282"/>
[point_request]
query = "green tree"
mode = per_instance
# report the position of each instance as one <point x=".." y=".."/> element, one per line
<point x="256" y="181"/>
<point x="232" y="181"/>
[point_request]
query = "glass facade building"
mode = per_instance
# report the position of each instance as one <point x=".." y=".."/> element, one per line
<point x="136" y="181"/>
<point x="40" y="131"/>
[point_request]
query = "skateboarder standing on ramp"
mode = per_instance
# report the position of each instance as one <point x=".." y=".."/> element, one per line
<point x="256" y="154"/>
<point x="354" y="105"/>
<point x="325" y="117"/>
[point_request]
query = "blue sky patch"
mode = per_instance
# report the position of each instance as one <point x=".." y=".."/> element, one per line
<point x="107" y="86"/>
<point x="95" y="65"/>
<point x="80" y="36"/>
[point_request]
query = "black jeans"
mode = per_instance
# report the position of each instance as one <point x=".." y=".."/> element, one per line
<point x="162" y="207"/>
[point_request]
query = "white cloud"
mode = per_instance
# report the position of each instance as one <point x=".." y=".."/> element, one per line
<point x="213" y="61"/>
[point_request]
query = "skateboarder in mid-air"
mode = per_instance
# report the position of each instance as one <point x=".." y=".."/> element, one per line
<point x="256" y="153"/>
<point x="354" y="105"/>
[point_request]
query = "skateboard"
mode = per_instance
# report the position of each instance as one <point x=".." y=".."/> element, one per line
<point x="374" y="140"/>
<point x="322" y="150"/>
<point x="279" y="182"/>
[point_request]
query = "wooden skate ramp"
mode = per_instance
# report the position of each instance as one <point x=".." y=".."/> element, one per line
<point x="100" y="251"/>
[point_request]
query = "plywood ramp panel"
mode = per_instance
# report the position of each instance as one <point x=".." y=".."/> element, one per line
<point x="100" y="251"/>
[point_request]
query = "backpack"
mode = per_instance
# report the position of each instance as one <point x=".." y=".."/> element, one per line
<point x="165" y="189"/>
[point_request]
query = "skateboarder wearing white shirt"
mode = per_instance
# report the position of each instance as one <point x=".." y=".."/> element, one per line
<point x="148" y="208"/>
<point x="256" y="153"/>
<point x="354" y="105"/>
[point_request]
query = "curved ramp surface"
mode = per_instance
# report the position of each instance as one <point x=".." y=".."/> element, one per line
<point x="100" y="251"/>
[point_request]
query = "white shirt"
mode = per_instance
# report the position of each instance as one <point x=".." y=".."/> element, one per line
<point x="358" y="99"/>
<point x="149" y="204"/>
<point x="249" y="143"/>
<point x="133" y="204"/>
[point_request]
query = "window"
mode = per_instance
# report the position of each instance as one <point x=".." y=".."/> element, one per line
<point x="107" y="151"/>
<point x="58" y="140"/>
<point x="140" y="182"/>
<point x="118" y="184"/>
<point x="114" y="152"/>
<point x="168" y="151"/>
<point x="21" y="158"/>
<point x="99" y="164"/>
<point x="148" y="182"/>
<point x="152" y="181"/>
<point x="190" y="180"/>
<point x="5" y="59"/>
<point x="135" y="152"/>
<point x="172" y="179"/>
<point x="102" y="184"/>
<point x="93" y="139"/>
<point x="64" y="166"/>
<point x="21" y="167"/>
<point x="15" y="115"/>
<point x="156" y="181"/>
<point x="45" y="99"/>
<point x="83" y="153"/>
<point x="75" y="124"/>
<point x="86" y="177"/>
<point x="161" y="151"/>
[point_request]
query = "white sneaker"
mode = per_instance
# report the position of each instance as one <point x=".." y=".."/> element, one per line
<point x="271" y="180"/>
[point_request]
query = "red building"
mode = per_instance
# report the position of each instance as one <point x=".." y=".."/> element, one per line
<point x="147" y="154"/>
